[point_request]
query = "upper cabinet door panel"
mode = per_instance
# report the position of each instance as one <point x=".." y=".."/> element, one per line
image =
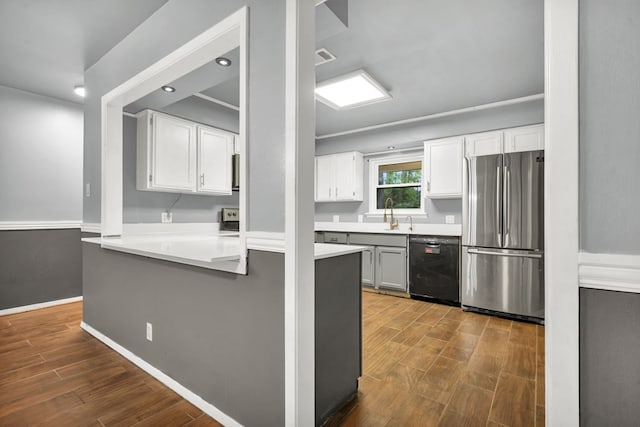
<point x="483" y="144"/>
<point x="325" y="179"/>
<point x="173" y="154"/>
<point x="215" y="148"/>
<point x="527" y="138"/>
<point x="443" y="168"/>
<point x="345" y="176"/>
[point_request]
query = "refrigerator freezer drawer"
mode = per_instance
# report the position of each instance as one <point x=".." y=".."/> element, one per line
<point x="505" y="281"/>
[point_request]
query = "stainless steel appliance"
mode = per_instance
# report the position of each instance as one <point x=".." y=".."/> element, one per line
<point x="434" y="268"/>
<point x="503" y="234"/>
<point x="235" y="178"/>
<point x="230" y="219"/>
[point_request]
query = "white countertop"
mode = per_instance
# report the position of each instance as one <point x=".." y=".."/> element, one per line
<point x="202" y="250"/>
<point x="383" y="228"/>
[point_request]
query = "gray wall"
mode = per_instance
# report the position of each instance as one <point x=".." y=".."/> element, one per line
<point x="413" y="136"/>
<point x="40" y="158"/>
<point x="609" y="126"/>
<point x="39" y="266"/>
<point x="158" y="36"/>
<point x="147" y="206"/>
<point x="219" y="334"/>
<point x="609" y="368"/>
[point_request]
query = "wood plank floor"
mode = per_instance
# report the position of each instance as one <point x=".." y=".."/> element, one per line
<point x="53" y="373"/>
<point x="424" y="365"/>
<point x="432" y="365"/>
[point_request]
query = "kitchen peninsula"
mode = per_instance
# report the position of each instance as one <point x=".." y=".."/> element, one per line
<point x="220" y="334"/>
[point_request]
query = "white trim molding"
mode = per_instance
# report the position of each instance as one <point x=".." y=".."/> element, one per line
<point x="91" y="227"/>
<point x="38" y="306"/>
<point x="216" y="101"/>
<point x="610" y="272"/>
<point x="165" y="379"/>
<point x="561" y="214"/>
<point x="266" y="241"/>
<point x="38" y="225"/>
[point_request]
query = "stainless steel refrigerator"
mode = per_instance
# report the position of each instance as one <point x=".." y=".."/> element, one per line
<point x="503" y="234"/>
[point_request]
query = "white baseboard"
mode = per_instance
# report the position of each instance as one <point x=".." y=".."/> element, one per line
<point x="91" y="227"/>
<point x="30" y="307"/>
<point x="187" y="394"/>
<point x="609" y="272"/>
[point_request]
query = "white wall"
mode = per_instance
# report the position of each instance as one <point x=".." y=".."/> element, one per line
<point x="40" y="158"/>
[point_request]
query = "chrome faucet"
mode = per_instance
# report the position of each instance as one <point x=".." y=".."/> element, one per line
<point x="410" y="223"/>
<point x="393" y="225"/>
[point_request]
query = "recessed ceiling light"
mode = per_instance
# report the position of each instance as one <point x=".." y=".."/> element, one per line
<point x="351" y="90"/>
<point x="80" y="91"/>
<point x="225" y="62"/>
<point x="391" y="147"/>
<point x="168" y="89"/>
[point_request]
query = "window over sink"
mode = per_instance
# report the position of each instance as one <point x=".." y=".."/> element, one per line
<point x="398" y="178"/>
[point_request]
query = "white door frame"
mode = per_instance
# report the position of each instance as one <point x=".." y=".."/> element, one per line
<point x="299" y="287"/>
<point x="227" y="34"/>
<point x="561" y="213"/>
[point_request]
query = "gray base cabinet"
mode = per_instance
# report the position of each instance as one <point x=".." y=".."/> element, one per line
<point x="391" y="268"/>
<point x="368" y="267"/>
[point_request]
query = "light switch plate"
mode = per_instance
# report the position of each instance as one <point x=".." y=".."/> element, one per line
<point x="360" y="218"/>
<point x="336" y="218"/>
<point x="449" y="219"/>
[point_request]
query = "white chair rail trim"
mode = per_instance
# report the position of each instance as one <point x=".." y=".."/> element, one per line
<point x="610" y="272"/>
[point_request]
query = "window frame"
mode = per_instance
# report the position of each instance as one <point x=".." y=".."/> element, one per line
<point x="374" y="165"/>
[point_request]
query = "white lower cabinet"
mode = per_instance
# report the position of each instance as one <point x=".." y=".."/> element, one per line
<point x="391" y="268"/>
<point x="369" y="266"/>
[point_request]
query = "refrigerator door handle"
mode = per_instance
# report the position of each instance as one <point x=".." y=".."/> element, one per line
<point x="507" y="201"/>
<point x="517" y="255"/>
<point x="498" y="205"/>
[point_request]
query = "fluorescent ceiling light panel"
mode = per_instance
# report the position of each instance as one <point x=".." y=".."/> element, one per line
<point x="351" y="90"/>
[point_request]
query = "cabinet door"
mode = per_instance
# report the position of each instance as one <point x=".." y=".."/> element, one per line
<point x="345" y="184"/>
<point x="215" y="148"/>
<point x="391" y="268"/>
<point x="173" y="164"/>
<point x="443" y="168"/>
<point x="483" y="144"/>
<point x="527" y="138"/>
<point x="368" y="267"/>
<point x="325" y="179"/>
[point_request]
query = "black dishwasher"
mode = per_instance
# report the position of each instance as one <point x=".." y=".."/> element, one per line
<point x="434" y="268"/>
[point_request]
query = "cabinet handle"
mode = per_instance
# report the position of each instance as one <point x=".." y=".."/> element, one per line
<point x="370" y="257"/>
<point x="329" y="192"/>
<point x="380" y="258"/>
<point x="201" y="179"/>
<point x="337" y="192"/>
<point x="428" y="186"/>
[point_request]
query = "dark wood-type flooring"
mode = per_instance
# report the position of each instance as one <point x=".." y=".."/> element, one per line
<point x="424" y="365"/>
<point x="433" y="365"/>
<point x="52" y="373"/>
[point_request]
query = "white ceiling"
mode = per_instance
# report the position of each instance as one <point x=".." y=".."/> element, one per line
<point x="431" y="55"/>
<point x="45" y="45"/>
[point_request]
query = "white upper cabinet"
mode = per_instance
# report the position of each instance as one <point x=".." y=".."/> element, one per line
<point x="215" y="148"/>
<point x="177" y="155"/>
<point x="339" y="177"/>
<point x="484" y="144"/>
<point x="527" y="138"/>
<point x="443" y="168"/>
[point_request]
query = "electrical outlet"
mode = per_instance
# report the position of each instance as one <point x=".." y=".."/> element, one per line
<point x="166" y="217"/>
<point x="149" y="332"/>
<point x="87" y="189"/>
<point x="449" y="219"/>
<point x="336" y="218"/>
<point x="360" y="218"/>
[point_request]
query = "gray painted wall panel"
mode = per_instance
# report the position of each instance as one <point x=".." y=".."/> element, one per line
<point x="147" y="206"/>
<point x="40" y="158"/>
<point x="219" y="334"/>
<point x="39" y="266"/>
<point x="609" y="126"/>
<point x="151" y="41"/>
<point x="609" y="368"/>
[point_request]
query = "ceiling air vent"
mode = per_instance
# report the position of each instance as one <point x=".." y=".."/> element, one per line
<point x="323" y="56"/>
